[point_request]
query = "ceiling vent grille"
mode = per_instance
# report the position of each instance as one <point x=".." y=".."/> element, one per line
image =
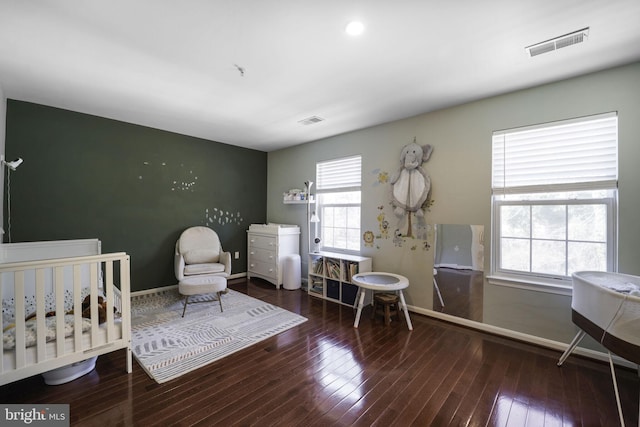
<point x="311" y="120"/>
<point x="558" y="42"/>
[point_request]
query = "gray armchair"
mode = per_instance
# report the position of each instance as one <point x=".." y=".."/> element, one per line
<point x="199" y="253"/>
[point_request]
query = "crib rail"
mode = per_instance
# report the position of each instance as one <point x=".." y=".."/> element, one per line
<point x="106" y="275"/>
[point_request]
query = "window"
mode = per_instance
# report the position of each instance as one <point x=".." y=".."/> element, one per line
<point x="554" y="198"/>
<point x="338" y="199"/>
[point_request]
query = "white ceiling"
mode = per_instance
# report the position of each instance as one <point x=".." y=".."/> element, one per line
<point x="170" y="64"/>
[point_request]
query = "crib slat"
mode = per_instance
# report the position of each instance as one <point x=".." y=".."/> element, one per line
<point x="108" y="285"/>
<point x="41" y="333"/>
<point x="94" y="302"/>
<point x="18" y="283"/>
<point x="59" y="295"/>
<point x="2" y="367"/>
<point x="77" y="309"/>
<point x="125" y="295"/>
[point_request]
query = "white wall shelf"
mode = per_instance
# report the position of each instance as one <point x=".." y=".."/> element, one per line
<point x="298" y="202"/>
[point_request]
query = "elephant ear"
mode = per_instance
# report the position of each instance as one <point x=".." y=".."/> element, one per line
<point x="426" y="152"/>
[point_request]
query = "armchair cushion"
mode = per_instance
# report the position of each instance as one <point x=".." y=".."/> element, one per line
<point x="202" y="256"/>
<point x="205" y="268"/>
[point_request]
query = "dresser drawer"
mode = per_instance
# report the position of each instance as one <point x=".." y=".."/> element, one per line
<point x="263" y="268"/>
<point x="263" y="242"/>
<point x="264" y="255"/>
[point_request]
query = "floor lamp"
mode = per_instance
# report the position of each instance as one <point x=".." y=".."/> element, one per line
<point x="11" y="166"/>
<point x="316" y="240"/>
<point x="312" y="218"/>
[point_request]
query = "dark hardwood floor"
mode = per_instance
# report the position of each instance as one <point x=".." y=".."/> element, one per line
<point x="462" y="292"/>
<point x="326" y="373"/>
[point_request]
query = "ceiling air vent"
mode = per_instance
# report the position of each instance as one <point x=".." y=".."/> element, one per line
<point x="311" y="120"/>
<point x="558" y="42"/>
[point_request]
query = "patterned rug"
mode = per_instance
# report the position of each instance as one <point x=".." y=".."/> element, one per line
<point x="167" y="345"/>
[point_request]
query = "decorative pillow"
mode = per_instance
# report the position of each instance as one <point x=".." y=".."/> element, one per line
<point x="201" y="256"/>
<point x="9" y="336"/>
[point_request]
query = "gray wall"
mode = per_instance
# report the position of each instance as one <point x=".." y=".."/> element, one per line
<point x="460" y="171"/>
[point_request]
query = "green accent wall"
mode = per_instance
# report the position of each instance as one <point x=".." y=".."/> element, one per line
<point x="135" y="188"/>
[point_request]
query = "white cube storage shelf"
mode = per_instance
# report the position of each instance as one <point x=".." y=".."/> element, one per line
<point x="330" y="275"/>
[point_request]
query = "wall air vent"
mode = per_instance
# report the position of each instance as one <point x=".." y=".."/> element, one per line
<point x="311" y="120"/>
<point x="558" y="42"/>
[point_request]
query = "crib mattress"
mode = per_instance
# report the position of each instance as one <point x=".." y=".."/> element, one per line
<point x="88" y="342"/>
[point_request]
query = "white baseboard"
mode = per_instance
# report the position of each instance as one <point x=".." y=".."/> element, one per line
<point x="153" y="290"/>
<point x="166" y="288"/>
<point x="520" y="336"/>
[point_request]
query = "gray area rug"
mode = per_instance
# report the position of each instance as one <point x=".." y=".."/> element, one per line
<point x="167" y="345"/>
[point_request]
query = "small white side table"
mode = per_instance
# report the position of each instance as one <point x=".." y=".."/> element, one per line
<point x="380" y="282"/>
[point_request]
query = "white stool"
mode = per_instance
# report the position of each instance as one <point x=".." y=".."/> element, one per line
<point x="195" y="285"/>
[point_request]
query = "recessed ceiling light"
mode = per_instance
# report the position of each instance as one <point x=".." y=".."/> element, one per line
<point x="354" y="28"/>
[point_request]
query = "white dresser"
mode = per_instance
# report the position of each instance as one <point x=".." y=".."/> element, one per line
<point x="267" y="247"/>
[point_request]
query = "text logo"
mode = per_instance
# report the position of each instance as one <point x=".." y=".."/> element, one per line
<point x="34" y="415"/>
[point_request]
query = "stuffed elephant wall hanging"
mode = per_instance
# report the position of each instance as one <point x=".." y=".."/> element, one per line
<point x="410" y="185"/>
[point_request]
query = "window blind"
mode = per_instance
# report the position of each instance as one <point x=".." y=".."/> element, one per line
<point x="566" y="155"/>
<point x="340" y="174"/>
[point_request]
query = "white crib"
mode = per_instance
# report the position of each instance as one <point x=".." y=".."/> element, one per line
<point x="45" y="277"/>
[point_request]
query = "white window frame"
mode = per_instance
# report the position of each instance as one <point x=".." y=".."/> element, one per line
<point x="568" y="192"/>
<point x="335" y="178"/>
<point x="611" y="211"/>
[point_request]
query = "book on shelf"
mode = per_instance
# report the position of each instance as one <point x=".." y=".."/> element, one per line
<point x="351" y="268"/>
<point x="317" y="266"/>
<point x="316" y="286"/>
<point x="333" y="268"/>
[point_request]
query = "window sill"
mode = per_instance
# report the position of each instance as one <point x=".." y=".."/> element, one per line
<point x="531" y="284"/>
